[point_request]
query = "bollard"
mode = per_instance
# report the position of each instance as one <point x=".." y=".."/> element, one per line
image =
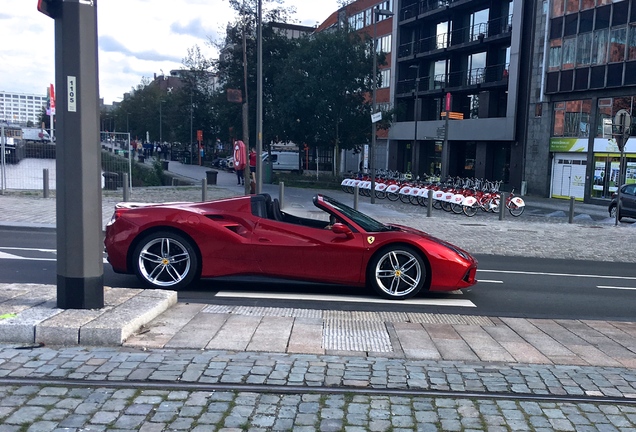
<point x="125" y="187"/>
<point x="502" y="205"/>
<point x="571" y="214"/>
<point x="204" y="190"/>
<point x="356" y="192"/>
<point x="429" y="204"/>
<point x="281" y="193"/>
<point x="45" y="182"/>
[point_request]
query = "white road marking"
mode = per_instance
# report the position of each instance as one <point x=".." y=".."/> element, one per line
<point x="557" y="274"/>
<point x="489" y="281"/>
<point x="616" y="288"/>
<point x="4" y="255"/>
<point x="343" y="298"/>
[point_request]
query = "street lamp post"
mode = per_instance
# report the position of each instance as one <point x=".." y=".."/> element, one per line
<point x="416" y="87"/>
<point x="160" y="131"/>
<point x="377" y="12"/>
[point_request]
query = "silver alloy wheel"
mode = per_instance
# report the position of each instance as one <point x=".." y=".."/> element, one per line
<point x="164" y="262"/>
<point x="398" y="273"/>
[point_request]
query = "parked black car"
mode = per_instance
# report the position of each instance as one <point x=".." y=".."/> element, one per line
<point x="628" y="202"/>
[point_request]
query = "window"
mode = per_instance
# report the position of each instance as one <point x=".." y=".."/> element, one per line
<point x="584" y="49"/>
<point x="599" y="47"/>
<point x="384" y="44"/>
<point x="569" y="52"/>
<point x="385" y="78"/>
<point x="631" y="43"/>
<point x="554" y="61"/>
<point x="618" y="38"/>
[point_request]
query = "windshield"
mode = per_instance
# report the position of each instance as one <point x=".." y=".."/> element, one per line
<point x="367" y="223"/>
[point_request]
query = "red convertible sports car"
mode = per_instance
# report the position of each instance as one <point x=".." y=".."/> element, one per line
<point x="171" y="245"/>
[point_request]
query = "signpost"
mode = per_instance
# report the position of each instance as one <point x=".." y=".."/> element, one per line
<point x="622" y="123"/>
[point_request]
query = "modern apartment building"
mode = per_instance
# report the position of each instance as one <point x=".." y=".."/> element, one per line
<point x="21" y="107"/>
<point x="584" y="73"/>
<point x="462" y="87"/>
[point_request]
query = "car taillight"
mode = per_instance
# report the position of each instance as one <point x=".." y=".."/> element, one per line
<point x="116" y="215"/>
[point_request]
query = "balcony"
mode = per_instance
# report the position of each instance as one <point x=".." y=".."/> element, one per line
<point x="480" y="32"/>
<point x="490" y="76"/>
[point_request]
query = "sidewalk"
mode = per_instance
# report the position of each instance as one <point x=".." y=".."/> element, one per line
<point x="305" y="365"/>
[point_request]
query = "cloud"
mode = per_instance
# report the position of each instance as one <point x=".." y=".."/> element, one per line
<point x="193" y="28"/>
<point x="110" y="44"/>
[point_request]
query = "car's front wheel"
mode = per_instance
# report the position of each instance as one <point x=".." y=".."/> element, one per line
<point x="397" y="273"/>
<point x="166" y="260"/>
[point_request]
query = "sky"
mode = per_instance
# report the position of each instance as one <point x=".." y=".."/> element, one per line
<point x="137" y="38"/>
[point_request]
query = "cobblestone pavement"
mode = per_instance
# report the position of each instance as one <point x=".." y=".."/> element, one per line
<point x="213" y="390"/>
<point x="133" y="389"/>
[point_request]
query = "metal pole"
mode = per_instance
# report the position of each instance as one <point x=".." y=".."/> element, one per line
<point x="259" y="103"/>
<point x="204" y="190"/>
<point x="130" y="156"/>
<point x="356" y="197"/>
<point x="126" y="190"/>
<point x="429" y="204"/>
<point x="445" y="149"/>
<point x="281" y="194"/>
<point x="619" y="183"/>
<point x="45" y="182"/>
<point x="376" y="13"/>
<point x="571" y="213"/>
<point x="502" y="205"/>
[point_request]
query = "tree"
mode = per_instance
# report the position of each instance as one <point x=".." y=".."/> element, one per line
<point x="322" y="100"/>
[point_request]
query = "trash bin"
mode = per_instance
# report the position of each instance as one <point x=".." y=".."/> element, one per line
<point x="164" y="165"/>
<point x="211" y="176"/>
<point x="110" y="180"/>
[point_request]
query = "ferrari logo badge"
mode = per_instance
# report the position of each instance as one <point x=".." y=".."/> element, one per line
<point x="370" y="239"/>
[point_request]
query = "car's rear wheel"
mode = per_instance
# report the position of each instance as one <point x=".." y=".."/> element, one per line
<point x="397" y="273"/>
<point x="166" y="260"/>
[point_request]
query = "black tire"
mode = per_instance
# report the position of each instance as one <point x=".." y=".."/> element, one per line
<point x="413" y="199"/>
<point x="457" y="208"/>
<point x="166" y="260"/>
<point x="380" y="194"/>
<point x="405" y="198"/>
<point x="446" y="206"/>
<point x="515" y="210"/>
<point x="392" y="196"/>
<point x="470" y="211"/>
<point x="437" y="204"/>
<point x="397" y="272"/>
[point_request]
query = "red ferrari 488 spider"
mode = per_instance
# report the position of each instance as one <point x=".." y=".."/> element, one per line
<point x="171" y="245"/>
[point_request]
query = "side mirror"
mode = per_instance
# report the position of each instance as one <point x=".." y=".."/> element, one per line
<point x="340" y="228"/>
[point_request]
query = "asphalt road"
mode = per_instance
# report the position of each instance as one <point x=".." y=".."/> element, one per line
<point x="509" y="286"/>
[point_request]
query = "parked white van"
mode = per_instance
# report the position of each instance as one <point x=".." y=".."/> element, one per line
<point x="283" y="161"/>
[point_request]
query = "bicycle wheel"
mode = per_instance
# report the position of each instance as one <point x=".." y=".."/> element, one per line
<point x="446" y="206"/>
<point x="392" y="196"/>
<point x="421" y="200"/>
<point x="380" y="194"/>
<point x="457" y="208"/>
<point x="413" y="199"/>
<point x="404" y="198"/>
<point x="515" y="210"/>
<point x="437" y="204"/>
<point x="471" y="210"/>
